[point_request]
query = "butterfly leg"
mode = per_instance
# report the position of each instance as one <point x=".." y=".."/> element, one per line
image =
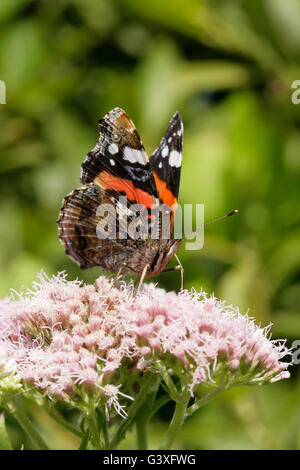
<point x="180" y="268"/>
<point x="143" y="275"/>
<point x="117" y="278"/>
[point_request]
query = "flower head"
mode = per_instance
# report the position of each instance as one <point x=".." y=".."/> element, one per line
<point x="87" y="344"/>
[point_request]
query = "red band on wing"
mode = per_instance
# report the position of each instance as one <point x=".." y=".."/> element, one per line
<point x="165" y="195"/>
<point x="108" y="181"/>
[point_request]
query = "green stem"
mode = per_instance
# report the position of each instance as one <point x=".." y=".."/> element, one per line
<point x="204" y="400"/>
<point x="27" y="426"/>
<point x="133" y="410"/>
<point x="143" y="418"/>
<point x="94" y="430"/>
<point x="177" y="421"/>
<point x="104" y="429"/>
<point x="172" y="390"/>
<point x="141" y="434"/>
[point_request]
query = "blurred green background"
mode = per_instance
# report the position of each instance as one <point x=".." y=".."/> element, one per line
<point x="227" y="67"/>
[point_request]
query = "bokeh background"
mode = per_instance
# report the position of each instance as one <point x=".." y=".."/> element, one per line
<point x="227" y="67"/>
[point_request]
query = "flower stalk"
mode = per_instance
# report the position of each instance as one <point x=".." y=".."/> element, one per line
<point x="177" y="421"/>
<point x="92" y="425"/>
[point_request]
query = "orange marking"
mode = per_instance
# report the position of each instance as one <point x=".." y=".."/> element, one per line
<point x="164" y="193"/>
<point x="108" y="181"/>
<point x="167" y="197"/>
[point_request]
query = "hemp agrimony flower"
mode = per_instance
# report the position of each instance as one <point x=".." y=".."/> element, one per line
<point x="103" y="350"/>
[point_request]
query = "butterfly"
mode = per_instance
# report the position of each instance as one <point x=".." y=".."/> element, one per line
<point x="125" y="189"/>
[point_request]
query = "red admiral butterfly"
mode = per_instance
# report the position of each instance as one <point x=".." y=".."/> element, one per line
<point x="119" y="166"/>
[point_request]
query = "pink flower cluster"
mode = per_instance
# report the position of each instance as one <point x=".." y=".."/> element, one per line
<point x="78" y="343"/>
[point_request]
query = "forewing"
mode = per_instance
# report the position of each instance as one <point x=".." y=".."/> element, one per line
<point x="119" y="161"/>
<point x="165" y="164"/>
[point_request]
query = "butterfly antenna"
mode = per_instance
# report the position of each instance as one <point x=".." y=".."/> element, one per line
<point x="212" y="222"/>
<point x="221" y="218"/>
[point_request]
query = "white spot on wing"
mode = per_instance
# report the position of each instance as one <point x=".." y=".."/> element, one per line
<point x="134" y="156"/>
<point x="112" y="162"/>
<point x="160" y="165"/>
<point x="165" y="151"/>
<point x="175" y="158"/>
<point x="113" y="148"/>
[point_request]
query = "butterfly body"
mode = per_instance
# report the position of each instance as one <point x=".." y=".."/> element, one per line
<point x="117" y="177"/>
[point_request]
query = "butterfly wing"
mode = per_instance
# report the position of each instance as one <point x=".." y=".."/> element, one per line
<point x="118" y="166"/>
<point x="89" y="235"/>
<point x="93" y="237"/>
<point x="119" y="161"/>
<point x="165" y="164"/>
